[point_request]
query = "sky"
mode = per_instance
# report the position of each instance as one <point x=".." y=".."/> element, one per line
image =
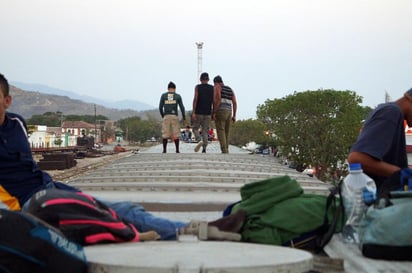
<point x="263" y="49"/>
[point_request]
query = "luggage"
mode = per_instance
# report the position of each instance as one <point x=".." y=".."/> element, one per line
<point x="385" y="230"/>
<point x="28" y="245"/>
<point x="81" y="218"/>
<point x="279" y="213"/>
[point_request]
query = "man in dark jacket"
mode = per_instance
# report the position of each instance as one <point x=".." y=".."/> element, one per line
<point x="169" y="101"/>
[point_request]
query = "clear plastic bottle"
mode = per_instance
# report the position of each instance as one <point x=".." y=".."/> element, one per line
<point x="358" y="192"/>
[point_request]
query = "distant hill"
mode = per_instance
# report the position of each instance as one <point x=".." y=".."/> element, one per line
<point x="123" y="104"/>
<point x="29" y="103"/>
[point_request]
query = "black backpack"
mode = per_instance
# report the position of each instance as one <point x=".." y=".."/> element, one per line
<point x="28" y="245"/>
<point x="81" y="218"/>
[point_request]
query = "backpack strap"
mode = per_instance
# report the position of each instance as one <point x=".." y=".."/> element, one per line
<point x="327" y="229"/>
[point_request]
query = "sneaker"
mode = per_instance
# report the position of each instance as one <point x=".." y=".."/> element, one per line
<point x="197" y="148"/>
<point x="205" y="232"/>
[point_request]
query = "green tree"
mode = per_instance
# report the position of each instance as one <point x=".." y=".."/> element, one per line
<point x="315" y="127"/>
<point x="86" y="118"/>
<point x="58" y="142"/>
<point x="51" y="119"/>
<point x="244" y="131"/>
<point x="138" y="130"/>
<point x="55" y="119"/>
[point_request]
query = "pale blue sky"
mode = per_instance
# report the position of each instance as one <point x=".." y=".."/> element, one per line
<point x="125" y="49"/>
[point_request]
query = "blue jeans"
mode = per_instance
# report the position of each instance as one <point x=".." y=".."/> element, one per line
<point x="132" y="212"/>
<point x="145" y="221"/>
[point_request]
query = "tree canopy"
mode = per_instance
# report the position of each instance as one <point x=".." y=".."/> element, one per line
<point x="55" y="119"/>
<point x="138" y="130"/>
<point x="244" y="131"/>
<point x="315" y="127"/>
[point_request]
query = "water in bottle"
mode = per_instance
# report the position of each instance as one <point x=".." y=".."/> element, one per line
<point x="358" y="192"/>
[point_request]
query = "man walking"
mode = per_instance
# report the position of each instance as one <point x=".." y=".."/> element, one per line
<point x="169" y="101"/>
<point x="202" y="110"/>
<point x="224" y="100"/>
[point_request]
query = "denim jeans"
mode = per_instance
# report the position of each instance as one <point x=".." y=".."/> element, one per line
<point x="145" y="221"/>
<point x="134" y="213"/>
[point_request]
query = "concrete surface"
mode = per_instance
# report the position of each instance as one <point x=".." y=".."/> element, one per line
<point x="184" y="187"/>
<point x="195" y="257"/>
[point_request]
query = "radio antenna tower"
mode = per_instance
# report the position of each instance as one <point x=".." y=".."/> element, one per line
<point x="199" y="59"/>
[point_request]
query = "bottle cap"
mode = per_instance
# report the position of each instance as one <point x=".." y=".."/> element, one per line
<point x="355" y="167"/>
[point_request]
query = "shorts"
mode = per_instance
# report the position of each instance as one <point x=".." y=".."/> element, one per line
<point x="171" y="127"/>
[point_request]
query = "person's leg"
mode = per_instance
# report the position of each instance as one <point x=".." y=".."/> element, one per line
<point x="177" y="145"/>
<point x="174" y="121"/>
<point x="205" y="122"/>
<point x="228" y="124"/>
<point x="195" y="128"/>
<point x="220" y="128"/>
<point x="164" y="145"/>
<point x="145" y="221"/>
<point x="165" y="132"/>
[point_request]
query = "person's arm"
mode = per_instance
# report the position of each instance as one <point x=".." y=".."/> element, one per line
<point x="195" y="98"/>
<point x="372" y="165"/>
<point x="182" y="108"/>
<point x="161" y="103"/>
<point x="217" y="97"/>
<point x="234" y="106"/>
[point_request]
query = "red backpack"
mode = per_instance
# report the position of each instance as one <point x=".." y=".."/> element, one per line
<point x="81" y="218"/>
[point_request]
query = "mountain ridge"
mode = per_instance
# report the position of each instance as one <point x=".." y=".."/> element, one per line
<point x="122" y="104"/>
<point x="29" y="103"/>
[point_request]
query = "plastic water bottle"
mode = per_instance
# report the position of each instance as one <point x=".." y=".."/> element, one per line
<point x="358" y="192"/>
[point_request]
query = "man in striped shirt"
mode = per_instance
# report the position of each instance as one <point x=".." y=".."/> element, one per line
<point x="224" y="112"/>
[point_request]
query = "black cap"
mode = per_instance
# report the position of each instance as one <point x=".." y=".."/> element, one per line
<point x="218" y="79"/>
<point x="171" y="85"/>
<point x="204" y="76"/>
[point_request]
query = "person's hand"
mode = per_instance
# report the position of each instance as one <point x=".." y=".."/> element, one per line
<point x="234" y="119"/>
<point x="193" y="116"/>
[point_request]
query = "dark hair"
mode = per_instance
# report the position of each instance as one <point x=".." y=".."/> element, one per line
<point x="204" y="76"/>
<point x="218" y="79"/>
<point x="409" y="91"/>
<point x="4" y="85"/>
<point x="171" y="85"/>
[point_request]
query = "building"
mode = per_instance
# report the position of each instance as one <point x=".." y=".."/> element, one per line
<point x="81" y="129"/>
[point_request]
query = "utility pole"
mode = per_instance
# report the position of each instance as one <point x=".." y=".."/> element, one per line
<point x="95" y="126"/>
<point x="199" y="59"/>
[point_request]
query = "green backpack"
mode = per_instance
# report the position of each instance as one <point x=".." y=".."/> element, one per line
<point x="278" y="212"/>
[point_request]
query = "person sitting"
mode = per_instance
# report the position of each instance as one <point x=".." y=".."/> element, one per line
<point x="187" y="135"/>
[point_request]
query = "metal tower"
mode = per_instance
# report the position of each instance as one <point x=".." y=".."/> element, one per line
<point x="199" y="58"/>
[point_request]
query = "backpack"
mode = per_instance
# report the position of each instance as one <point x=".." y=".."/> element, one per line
<point x="279" y="213"/>
<point x="384" y="232"/>
<point x="81" y="218"/>
<point x="28" y="245"/>
<point x="315" y="240"/>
